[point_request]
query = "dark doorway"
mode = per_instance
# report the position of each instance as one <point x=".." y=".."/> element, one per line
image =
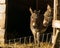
<point x="18" y="17"/>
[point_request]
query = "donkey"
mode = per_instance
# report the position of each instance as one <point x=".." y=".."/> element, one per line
<point x="39" y="22"/>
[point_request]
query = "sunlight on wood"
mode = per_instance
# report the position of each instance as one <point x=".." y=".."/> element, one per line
<point x="56" y="24"/>
<point x="2" y="1"/>
<point x="2" y="21"/>
<point x="2" y="8"/>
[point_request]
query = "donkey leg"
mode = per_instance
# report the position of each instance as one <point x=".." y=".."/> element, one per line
<point x="35" y="38"/>
<point x="38" y="41"/>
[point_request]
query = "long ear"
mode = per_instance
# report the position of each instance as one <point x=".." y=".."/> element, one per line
<point x="30" y="10"/>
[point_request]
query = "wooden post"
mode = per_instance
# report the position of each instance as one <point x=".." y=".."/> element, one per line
<point x="2" y="20"/>
<point x="54" y="18"/>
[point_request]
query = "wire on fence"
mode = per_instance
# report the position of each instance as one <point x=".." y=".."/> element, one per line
<point x="24" y="40"/>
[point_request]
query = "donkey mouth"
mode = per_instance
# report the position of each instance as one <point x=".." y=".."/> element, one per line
<point x="45" y="24"/>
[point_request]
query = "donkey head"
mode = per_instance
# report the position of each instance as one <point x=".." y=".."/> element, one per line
<point x="34" y="17"/>
<point x="47" y="16"/>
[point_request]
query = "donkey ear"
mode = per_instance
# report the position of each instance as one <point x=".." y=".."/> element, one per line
<point x="30" y="10"/>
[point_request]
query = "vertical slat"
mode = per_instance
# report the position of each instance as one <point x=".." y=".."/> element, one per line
<point x="36" y="4"/>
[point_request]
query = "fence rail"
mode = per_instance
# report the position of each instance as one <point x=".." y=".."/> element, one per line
<point x="44" y="38"/>
<point x="26" y="40"/>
